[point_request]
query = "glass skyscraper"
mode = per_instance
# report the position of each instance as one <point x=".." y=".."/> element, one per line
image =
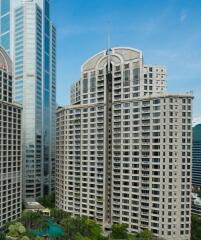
<point x="196" y="171"/>
<point x="29" y="36"/>
<point x="5" y="10"/>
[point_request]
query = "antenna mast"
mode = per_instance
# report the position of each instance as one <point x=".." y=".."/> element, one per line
<point x="109" y="49"/>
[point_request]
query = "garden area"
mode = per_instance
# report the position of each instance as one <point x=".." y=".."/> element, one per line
<point x="62" y="226"/>
<point x="33" y="226"/>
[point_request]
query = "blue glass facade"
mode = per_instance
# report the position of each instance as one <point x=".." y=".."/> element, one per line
<point x="19" y="42"/>
<point x="35" y="88"/>
<point x="53" y="102"/>
<point x="26" y="32"/>
<point x="5" y="24"/>
<point x="46" y="95"/>
<point x="5" y="7"/>
<point x="196" y="171"/>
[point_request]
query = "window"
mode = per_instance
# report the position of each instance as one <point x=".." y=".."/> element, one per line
<point x="5" y="24"/>
<point x="5" y="7"/>
<point x="85" y="85"/>
<point x="5" y="41"/>
<point x="126" y="66"/>
<point x="126" y="77"/>
<point x="92" y="84"/>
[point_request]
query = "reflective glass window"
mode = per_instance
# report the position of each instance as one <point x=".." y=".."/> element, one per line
<point x="5" y="6"/>
<point x="5" y="41"/>
<point x="5" y="24"/>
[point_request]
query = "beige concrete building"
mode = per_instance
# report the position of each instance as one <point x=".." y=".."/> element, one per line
<point x="124" y="147"/>
<point x="10" y="146"/>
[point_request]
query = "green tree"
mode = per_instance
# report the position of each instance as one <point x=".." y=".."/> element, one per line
<point x="21" y="229"/>
<point x="2" y="236"/>
<point x="48" y="201"/>
<point x="59" y="215"/>
<point x="91" y="229"/>
<point x="80" y="223"/>
<point x="16" y="230"/>
<point x="13" y="231"/>
<point x="80" y="237"/>
<point x="42" y="224"/>
<point x="69" y="228"/>
<point x="30" y="234"/>
<point x="38" y="238"/>
<point x="30" y="218"/>
<point x="25" y="238"/>
<point x="145" y="235"/>
<point x="119" y="231"/>
<point x="196" y="227"/>
<point x="81" y="228"/>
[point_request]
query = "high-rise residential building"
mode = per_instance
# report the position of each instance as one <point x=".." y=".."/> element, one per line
<point x="32" y="46"/>
<point x="10" y="146"/>
<point x="124" y="147"/>
<point x="196" y="169"/>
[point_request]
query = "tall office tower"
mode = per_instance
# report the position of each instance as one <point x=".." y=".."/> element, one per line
<point x="124" y="147"/>
<point x="10" y="146"/>
<point x="35" y="88"/>
<point x="7" y="24"/>
<point x="33" y="48"/>
<point x="5" y="17"/>
<point x="196" y="169"/>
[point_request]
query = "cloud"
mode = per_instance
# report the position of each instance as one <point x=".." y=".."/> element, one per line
<point x="183" y="16"/>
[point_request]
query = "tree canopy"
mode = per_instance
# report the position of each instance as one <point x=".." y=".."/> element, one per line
<point x="196" y="227"/>
<point x="119" y="231"/>
<point x="17" y="230"/>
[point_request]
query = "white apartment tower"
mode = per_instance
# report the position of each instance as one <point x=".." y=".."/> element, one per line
<point x="123" y="150"/>
<point x="10" y="146"/>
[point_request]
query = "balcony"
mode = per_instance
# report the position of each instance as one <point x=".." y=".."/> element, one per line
<point x="117" y="98"/>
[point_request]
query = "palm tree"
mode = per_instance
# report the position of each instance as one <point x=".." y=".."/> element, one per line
<point x="30" y="234"/>
<point x="69" y="228"/>
<point x="29" y="218"/>
<point x="58" y="214"/>
<point x="42" y="224"/>
<point x="79" y="224"/>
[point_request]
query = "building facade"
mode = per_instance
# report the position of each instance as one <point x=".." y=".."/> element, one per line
<point x="10" y="146"/>
<point x="5" y="13"/>
<point x="124" y="147"/>
<point x="32" y="46"/>
<point x="7" y="8"/>
<point x="196" y="170"/>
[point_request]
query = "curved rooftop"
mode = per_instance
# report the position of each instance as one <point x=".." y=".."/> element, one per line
<point x="197" y="132"/>
<point x="118" y="55"/>
<point x="196" y="121"/>
<point x="5" y="61"/>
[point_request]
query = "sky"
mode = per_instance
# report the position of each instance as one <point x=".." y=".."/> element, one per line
<point x="168" y="32"/>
